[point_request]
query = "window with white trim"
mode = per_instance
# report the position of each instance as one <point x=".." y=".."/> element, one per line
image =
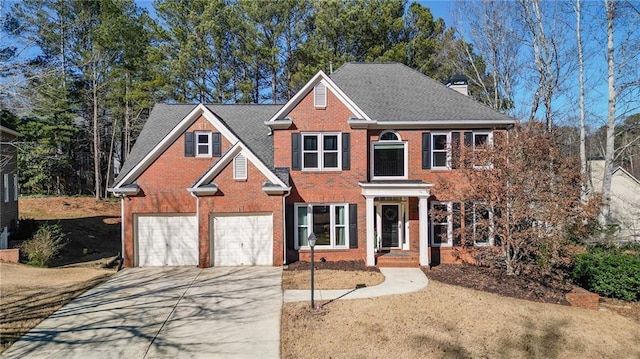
<point x="320" y="95"/>
<point x="15" y="187"/>
<point x="5" y="187"/>
<point x="441" y="224"/>
<point x="240" y="167"/>
<point x="482" y="224"/>
<point x="481" y="141"/>
<point x="441" y="150"/>
<point x="390" y="159"/>
<point x="328" y="222"/>
<point x="203" y="144"/>
<point x="321" y="151"/>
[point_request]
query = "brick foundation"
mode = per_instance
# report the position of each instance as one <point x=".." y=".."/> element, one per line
<point x="582" y="298"/>
<point x="10" y="255"/>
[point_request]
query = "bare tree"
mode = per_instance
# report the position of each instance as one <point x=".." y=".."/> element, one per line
<point x="493" y="31"/>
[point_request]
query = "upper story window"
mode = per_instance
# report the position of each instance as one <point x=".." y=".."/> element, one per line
<point x="481" y="141"/>
<point x="390" y="159"/>
<point x="321" y="151"/>
<point x="441" y="224"/>
<point x="320" y="95"/>
<point x="441" y="150"/>
<point x="202" y="144"/>
<point x="240" y="167"/>
<point x="328" y="222"/>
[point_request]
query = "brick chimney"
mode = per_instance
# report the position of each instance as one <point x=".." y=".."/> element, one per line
<point x="459" y="83"/>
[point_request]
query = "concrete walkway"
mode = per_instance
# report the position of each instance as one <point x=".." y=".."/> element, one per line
<point x="397" y="281"/>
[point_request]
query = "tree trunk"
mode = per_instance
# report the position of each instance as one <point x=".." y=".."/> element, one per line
<point x="96" y="135"/>
<point x="583" y="150"/>
<point x="611" y="117"/>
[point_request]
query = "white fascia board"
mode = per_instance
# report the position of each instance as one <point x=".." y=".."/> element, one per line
<point x="229" y="156"/>
<point x="130" y="190"/>
<point x="440" y="124"/>
<point x="199" y="110"/>
<point x="320" y="76"/>
<point x="626" y="173"/>
<point x="395" y="189"/>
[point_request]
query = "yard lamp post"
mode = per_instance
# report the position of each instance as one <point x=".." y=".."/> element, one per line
<point x="312" y="243"/>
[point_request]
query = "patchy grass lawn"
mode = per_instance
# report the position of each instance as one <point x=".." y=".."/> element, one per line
<point x="28" y="294"/>
<point x="446" y="321"/>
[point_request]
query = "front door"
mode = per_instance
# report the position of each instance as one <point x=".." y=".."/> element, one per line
<point x="390" y="222"/>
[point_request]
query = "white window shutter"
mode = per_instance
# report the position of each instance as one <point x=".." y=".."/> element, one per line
<point x="240" y="167"/>
<point x="320" y="95"/>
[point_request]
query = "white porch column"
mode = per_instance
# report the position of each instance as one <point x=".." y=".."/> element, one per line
<point x="424" y="231"/>
<point x="371" y="258"/>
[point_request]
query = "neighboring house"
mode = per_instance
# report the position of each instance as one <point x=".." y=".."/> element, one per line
<point x="625" y="199"/>
<point x="8" y="184"/>
<point x="356" y="158"/>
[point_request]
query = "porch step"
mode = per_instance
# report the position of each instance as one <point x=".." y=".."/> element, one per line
<point x="398" y="259"/>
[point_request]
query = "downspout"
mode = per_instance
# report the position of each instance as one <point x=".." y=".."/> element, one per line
<point x="122" y="197"/>
<point x="284" y="227"/>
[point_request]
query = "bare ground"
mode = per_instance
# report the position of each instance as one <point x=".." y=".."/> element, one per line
<point x="446" y="321"/>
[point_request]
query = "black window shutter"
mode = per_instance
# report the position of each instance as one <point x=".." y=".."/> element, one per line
<point x="468" y="138"/>
<point x="295" y="152"/>
<point x="189" y="147"/>
<point x="455" y="148"/>
<point x="353" y="225"/>
<point x="346" y="151"/>
<point x="456" y="224"/>
<point x="289" y="230"/>
<point x="216" y="144"/>
<point x="426" y="150"/>
<point x="468" y="222"/>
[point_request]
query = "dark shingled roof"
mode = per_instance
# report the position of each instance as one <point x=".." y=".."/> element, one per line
<point x="395" y="92"/>
<point x="245" y="121"/>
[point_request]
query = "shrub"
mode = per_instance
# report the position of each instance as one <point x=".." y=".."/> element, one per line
<point x="609" y="272"/>
<point x="45" y="244"/>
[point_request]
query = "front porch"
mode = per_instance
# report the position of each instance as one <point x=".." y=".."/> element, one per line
<point x="397" y="230"/>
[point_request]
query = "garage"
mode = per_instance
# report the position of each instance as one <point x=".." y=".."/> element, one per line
<point x="167" y="240"/>
<point x="245" y="239"/>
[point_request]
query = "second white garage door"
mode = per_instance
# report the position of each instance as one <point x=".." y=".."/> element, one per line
<point x="245" y="239"/>
<point x="167" y="240"/>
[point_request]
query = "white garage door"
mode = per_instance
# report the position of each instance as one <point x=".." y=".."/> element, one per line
<point x="167" y="240"/>
<point x="242" y="240"/>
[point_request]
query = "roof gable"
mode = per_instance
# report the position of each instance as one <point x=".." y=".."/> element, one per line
<point x="308" y="87"/>
<point x="167" y="122"/>
<point x="221" y="164"/>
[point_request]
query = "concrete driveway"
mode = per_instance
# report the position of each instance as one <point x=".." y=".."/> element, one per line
<point x="230" y="312"/>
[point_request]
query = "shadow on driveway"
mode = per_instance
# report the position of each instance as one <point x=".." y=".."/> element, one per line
<point x="166" y="312"/>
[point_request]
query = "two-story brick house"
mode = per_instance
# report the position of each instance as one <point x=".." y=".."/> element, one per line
<point x="355" y="158"/>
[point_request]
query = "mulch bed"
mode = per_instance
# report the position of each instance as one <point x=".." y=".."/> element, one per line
<point x="337" y="265"/>
<point x="496" y="281"/>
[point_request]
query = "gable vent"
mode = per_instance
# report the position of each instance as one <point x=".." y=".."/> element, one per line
<point x="240" y="167"/>
<point x="320" y="96"/>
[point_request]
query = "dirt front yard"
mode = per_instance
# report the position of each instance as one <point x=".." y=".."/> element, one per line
<point x="28" y="294"/>
<point x="447" y="321"/>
